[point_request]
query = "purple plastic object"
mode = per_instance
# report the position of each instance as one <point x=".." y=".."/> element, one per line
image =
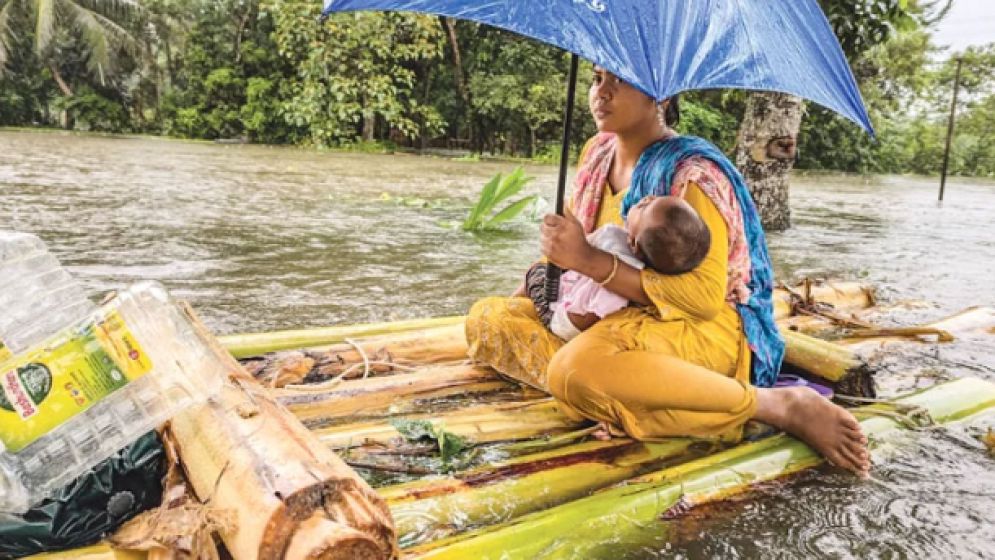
<point x="788" y="380"/>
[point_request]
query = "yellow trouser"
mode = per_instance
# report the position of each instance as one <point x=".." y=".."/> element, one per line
<point x="648" y="377"/>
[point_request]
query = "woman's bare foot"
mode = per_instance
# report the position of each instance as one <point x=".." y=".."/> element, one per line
<point x="827" y="428"/>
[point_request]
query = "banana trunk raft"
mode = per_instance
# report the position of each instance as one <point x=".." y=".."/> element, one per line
<point x="472" y="465"/>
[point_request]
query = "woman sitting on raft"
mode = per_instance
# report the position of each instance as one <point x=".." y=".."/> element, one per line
<point x="681" y="363"/>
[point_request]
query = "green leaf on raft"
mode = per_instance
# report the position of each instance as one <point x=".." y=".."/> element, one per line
<point x="450" y="445"/>
<point x="414" y="430"/>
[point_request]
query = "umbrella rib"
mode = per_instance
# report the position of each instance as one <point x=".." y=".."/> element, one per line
<point x="749" y="39"/>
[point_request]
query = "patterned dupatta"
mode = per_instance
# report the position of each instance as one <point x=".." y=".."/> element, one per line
<point x="589" y="186"/>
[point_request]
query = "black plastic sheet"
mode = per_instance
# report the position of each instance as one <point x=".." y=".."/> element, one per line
<point x="91" y="506"/>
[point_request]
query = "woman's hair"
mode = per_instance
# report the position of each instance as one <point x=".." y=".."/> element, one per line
<point x="672" y="116"/>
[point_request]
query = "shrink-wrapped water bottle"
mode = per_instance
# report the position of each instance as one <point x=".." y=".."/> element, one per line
<point x="79" y="381"/>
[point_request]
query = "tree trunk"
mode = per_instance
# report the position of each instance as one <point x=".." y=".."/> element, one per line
<point x="765" y="153"/>
<point x="63" y="86"/>
<point x="239" y="30"/>
<point x="369" y="127"/>
<point x="457" y="59"/>
<point x="460" y="75"/>
<point x="169" y="61"/>
<point x="64" y="120"/>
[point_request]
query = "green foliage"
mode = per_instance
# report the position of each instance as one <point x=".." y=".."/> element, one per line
<point x="94" y="111"/>
<point x="450" y="445"/>
<point x="863" y="25"/>
<point x="51" y="50"/>
<point x="483" y="217"/>
<point x="357" y="72"/>
<point x="229" y="80"/>
<point x="908" y="99"/>
<point x="264" y="70"/>
<point x="104" y="31"/>
<point x="702" y="118"/>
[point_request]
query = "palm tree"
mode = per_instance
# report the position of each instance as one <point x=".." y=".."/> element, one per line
<point x="104" y="28"/>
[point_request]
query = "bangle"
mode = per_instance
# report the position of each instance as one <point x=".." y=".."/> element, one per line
<point x="614" y="270"/>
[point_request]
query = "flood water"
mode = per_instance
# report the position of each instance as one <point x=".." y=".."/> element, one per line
<point x="263" y="238"/>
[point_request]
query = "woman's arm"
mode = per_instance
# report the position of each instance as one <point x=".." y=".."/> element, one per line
<point x="627" y="281"/>
<point x="564" y="243"/>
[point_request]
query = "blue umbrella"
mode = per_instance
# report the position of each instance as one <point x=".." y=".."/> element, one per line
<point x="665" y="47"/>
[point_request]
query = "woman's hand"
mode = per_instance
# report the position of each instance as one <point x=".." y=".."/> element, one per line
<point x="564" y="243"/>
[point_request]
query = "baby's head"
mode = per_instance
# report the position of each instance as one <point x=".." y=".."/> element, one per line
<point x="667" y="234"/>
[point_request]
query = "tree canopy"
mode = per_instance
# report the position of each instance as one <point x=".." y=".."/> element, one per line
<point x="266" y="71"/>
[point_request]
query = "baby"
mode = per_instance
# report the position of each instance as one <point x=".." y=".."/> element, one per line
<point x="663" y="232"/>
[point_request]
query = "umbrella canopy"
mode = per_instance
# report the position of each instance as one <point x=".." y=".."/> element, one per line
<point x="665" y="47"/>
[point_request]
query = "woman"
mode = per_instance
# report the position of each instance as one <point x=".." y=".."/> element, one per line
<point x="680" y="364"/>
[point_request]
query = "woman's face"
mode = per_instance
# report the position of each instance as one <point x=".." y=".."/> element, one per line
<point x="618" y="107"/>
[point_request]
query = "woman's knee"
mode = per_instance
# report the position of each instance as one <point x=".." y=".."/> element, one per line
<point x="570" y="369"/>
<point x="485" y="311"/>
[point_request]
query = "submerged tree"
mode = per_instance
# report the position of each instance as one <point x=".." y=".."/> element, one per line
<point x="768" y="133"/>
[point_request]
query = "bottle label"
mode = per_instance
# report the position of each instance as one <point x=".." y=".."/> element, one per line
<point x="45" y="387"/>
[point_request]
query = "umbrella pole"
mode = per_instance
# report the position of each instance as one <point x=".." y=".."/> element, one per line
<point x="553" y="271"/>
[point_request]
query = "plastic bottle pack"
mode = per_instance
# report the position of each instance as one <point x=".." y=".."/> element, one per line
<point x="79" y="382"/>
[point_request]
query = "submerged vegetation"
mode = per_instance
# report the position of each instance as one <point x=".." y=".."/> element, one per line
<point x="482" y="215"/>
<point x="450" y="445"/>
<point x="264" y="71"/>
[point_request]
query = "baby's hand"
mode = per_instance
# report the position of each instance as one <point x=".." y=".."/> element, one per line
<point x="583" y="322"/>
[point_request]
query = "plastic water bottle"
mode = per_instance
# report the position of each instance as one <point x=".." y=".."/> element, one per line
<point x="37" y="296"/>
<point x="79" y="382"/>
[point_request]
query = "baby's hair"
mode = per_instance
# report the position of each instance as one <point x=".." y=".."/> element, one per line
<point x="679" y="244"/>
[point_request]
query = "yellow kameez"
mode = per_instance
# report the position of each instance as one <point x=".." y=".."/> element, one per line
<point x="677" y="368"/>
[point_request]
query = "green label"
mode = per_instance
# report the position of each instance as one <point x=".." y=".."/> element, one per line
<point x="45" y="387"/>
<point x="27" y="386"/>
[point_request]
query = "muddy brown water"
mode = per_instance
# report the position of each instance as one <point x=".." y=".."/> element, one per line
<point x="262" y="238"/>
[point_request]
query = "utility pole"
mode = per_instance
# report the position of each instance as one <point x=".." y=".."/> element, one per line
<point x="950" y="129"/>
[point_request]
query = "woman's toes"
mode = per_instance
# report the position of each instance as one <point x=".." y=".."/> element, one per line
<point x="854" y="433"/>
<point x="849" y="421"/>
<point x="841" y="459"/>
<point x="855" y="459"/>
